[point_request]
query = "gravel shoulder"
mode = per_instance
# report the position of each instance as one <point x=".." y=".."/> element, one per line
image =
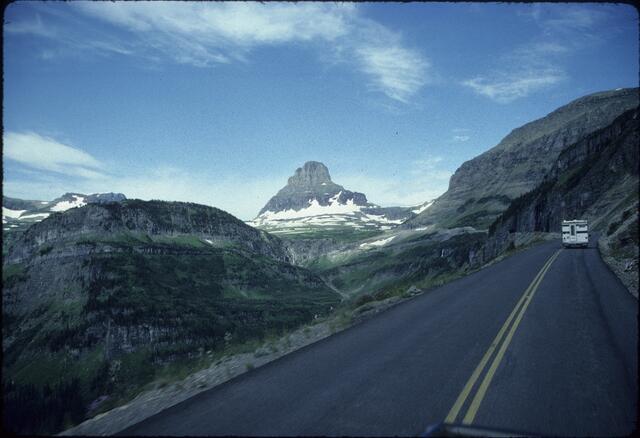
<point x="626" y="269"/>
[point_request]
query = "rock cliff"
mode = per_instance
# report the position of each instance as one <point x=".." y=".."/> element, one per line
<point x="595" y="178"/>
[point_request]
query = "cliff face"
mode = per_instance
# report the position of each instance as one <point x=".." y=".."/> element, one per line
<point x="483" y="187"/>
<point x="595" y="179"/>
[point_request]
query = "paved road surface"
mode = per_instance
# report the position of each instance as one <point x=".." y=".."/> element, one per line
<point x="565" y="364"/>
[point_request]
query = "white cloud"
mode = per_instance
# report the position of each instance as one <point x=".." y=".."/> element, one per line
<point x="461" y="138"/>
<point x="241" y="197"/>
<point x="70" y="42"/>
<point x="568" y="19"/>
<point x="53" y="168"/>
<point x="540" y="63"/>
<point x="506" y="88"/>
<point x="246" y="24"/>
<point x="527" y="69"/>
<point x="43" y="153"/>
<point x="208" y="33"/>
<point x="34" y="27"/>
<point x="397" y="71"/>
<point x="205" y="34"/>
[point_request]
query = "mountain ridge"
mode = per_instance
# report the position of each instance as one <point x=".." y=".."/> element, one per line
<point x="481" y="188"/>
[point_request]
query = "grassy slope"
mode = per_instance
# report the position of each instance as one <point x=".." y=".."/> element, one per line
<point x="345" y="234"/>
<point x="419" y="261"/>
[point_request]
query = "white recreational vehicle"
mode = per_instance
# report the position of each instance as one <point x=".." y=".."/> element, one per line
<point x="575" y="233"/>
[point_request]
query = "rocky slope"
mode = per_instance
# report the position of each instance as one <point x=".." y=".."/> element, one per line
<point x="311" y="202"/>
<point x="96" y="299"/>
<point x="596" y="179"/>
<point x="483" y="187"/>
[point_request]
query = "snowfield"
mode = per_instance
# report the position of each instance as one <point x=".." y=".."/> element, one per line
<point x="335" y="214"/>
<point x="423" y="207"/>
<point x="66" y="205"/>
<point x="14" y="214"/>
<point x="314" y="209"/>
<point x="35" y="216"/>
<point x="380" y="242"/>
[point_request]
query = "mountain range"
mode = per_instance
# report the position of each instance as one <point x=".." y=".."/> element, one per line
<point x="18" y="213"/>
<point x="101" y="293"/>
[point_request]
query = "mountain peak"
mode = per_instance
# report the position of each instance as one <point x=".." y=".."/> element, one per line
<point x="311" y="174"/>
<point x="311" y="199"/>
<point x="311" y="183"/>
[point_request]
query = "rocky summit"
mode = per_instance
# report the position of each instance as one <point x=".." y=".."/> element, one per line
<point x="312" y="201"/>
<point x="311" y="184"/>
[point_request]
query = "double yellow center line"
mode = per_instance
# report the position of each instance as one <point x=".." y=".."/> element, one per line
<point x="517" y="313"/>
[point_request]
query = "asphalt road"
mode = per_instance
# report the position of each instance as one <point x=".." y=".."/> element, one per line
<point x="566" y="363"/>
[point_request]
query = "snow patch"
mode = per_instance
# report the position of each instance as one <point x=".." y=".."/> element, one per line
<point x="335" y="214"/>
<point x="7" y="212"/>
<point x="66" y="205"/>
<point x="380" y="242"/>
<point x="34" y="216"/>
<point x="380" y="218"/>
<point x="314" y="209"/>
<point x="423" y="207"/>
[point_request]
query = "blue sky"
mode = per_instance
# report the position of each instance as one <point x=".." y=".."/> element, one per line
<point x="219" y="103"/>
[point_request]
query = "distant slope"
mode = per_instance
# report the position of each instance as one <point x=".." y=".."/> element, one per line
<point x="19" y="214"/>
<point x="393" y="263"/>
<point x="96" y="299"/>
<point x="483" y="187"/>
